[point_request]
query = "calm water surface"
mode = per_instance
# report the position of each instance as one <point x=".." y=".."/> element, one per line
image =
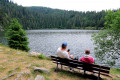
<point x="47" y="41"/>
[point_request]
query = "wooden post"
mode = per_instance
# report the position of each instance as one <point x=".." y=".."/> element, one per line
<point x="99" y="73"/>
<point x="84" y="72"/>
<point x="57" y="67"/>
<point x="61" y="67"/>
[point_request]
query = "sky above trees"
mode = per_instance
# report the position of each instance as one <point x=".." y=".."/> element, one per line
<point x="77" y="5"/>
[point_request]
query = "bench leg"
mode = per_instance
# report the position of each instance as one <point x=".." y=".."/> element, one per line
<point x="84" y="72"/>
<point x="98" y="76"/>
<point x="57" y="68"/>
<point x="61" y="67"/>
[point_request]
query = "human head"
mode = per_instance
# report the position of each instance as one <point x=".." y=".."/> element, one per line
<point x="87" y="51"/>
<point x="64" y="45"/>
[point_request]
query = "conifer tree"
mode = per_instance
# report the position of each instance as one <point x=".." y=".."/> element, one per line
<point x="16" y="36"/>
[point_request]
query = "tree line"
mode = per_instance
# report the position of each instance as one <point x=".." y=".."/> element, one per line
<point x="47" y="18"/>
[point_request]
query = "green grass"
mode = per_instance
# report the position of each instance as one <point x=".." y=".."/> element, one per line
<point x="41" y="56"/>
<point x="10" y="72"/>
<point x="10" y="60"/>
<point x="26" y="75"/>
<point x="35" y="73"/>
<point x="116" y="79"/>
<point x="66" y="73"/>
<point x="115" y="71"/>
<point x="35" y="64"/>
<point x="2" y="69"/>
<point x="46" y="78"/>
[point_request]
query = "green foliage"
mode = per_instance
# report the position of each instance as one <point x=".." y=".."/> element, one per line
<point x="16" y="36"/>
<point x="115" y="71"/>
<point x="108" y="41"/>
<point x="41" y="56"/>
<point x="47" y="18"/>
<point x="116" y="79"/>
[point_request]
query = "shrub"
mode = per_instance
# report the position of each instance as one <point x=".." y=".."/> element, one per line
<point x="41" y="56"/>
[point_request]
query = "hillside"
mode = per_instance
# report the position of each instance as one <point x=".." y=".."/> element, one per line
<point x="47" y="18"/>
<point x="17" y="62"/>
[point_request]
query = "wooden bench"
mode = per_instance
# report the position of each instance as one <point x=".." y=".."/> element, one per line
<point x="100" y="70"/>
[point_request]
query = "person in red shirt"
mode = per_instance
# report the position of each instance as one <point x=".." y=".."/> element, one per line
<point x="87" y="58"/>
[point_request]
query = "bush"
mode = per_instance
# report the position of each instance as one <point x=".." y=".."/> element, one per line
<point x="41" y="56"/>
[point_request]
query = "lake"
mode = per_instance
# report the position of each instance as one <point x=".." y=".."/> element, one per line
<point x="48" y="41"/>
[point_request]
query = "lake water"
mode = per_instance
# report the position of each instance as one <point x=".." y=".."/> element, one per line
<point x="48" y="41"/>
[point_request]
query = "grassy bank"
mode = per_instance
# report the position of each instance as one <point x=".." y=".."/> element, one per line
<point x="11" y="59"/>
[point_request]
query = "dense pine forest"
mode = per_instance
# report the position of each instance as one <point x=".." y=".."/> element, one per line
<point x="47" y="18"/>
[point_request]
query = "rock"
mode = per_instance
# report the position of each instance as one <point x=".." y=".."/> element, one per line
<point x="39" y="77"/>
<point x="33" y="54"/>
<point x="29" y="66"/>
<point x="19" y="75"/>
<point x="118" y="76"/>
<point x="8" y="76"/>
<point x="3" y="67"/>
<point x="13" y="69"/>
<point x="42" y="70"/>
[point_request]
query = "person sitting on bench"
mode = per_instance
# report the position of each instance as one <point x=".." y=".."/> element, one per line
<point x="62" y="53"/>
<point x="87" y="58"/>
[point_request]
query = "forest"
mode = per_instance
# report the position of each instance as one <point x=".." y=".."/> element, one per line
<point x="48" y="18"/>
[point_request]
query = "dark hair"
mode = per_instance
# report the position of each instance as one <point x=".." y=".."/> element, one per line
<point x="87" y="51"/>
<point x="63" y="46"/>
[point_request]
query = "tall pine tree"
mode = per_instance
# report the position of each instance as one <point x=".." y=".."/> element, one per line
<point x="16" y="36"/>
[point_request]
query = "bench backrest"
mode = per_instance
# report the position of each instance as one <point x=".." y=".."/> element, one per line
<point x="85" y="66"/>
